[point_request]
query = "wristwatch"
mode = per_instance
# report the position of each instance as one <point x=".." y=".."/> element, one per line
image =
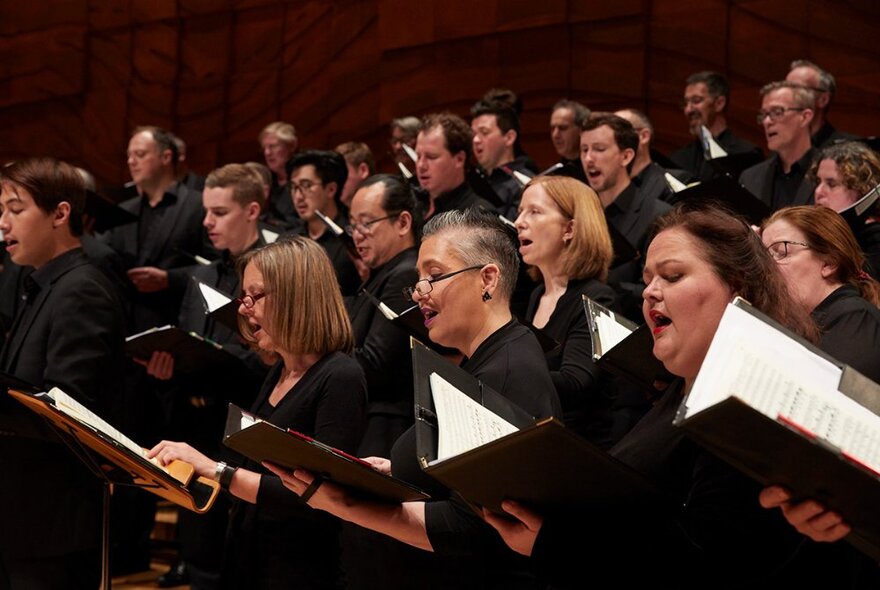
<point x="223" y="474"/>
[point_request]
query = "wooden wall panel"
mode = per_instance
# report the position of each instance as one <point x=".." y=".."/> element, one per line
<point x="76" y="79"/>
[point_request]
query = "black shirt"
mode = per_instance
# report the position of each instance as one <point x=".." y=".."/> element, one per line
<point x="850" y="328"/>
<point x="459" y="199"/>
<point x="786" y="184"/>
<point x="508" y="188"/>
<point x="692" y="158"/>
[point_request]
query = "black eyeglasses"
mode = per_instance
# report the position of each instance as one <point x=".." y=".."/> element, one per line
<point x="364" y="228"/>
<point x="779" y="250"/>
<point x="775" y="113"/>
<point x="425" y="286"/>
<point x="249" y="301"/>
<point x="305" y="186"/>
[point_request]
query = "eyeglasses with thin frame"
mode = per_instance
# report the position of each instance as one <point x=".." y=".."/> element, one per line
<point x="364" y="228"/>
<point x="425" y="286"/>
<point x="249" y="301"/>
<point x="775" y="113"/>
<point x="305" y="186"/>
<point x="779" y="250"/>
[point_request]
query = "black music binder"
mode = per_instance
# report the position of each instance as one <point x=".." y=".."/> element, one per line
<point x="540" y="463"/>
<point x="731" y="411"/>
<point x="264" y="442"/>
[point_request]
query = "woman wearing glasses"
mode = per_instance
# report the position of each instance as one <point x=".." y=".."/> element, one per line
<point x="705" y="529"/>
<point x="563" y="236"/>
<point x="822" y="266"/>
<point x="468" y="264"/>
<point x="292" y="307"/>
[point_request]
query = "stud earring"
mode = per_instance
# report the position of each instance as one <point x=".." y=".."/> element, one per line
<point x="486" y="296"/>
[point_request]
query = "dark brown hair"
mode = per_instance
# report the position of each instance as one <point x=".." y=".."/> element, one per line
<point x="49" y="182"/>
<point x="739" y="259"/>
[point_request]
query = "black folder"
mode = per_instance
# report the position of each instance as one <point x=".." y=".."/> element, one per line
<point x="226" y="314"/>
<point x="856" y="214"/>
<point x="729" y="192"/>
<point x="192" y="353"/>
<point x="780" y="452"/>
<point x="106" y="213"/>
<point x="411" y="321"/>
<point x="633" y="357"/>
<point x="543" y="464"/>
<point x="264" y="442"/>
<point x="732" y="165"/>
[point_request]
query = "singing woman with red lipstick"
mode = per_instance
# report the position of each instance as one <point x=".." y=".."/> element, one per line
<point x="467" y="266"/>
<point x="713" y="533"/>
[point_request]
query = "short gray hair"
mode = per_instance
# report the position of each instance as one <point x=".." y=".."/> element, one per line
<point x="480" y="239"/>
<point x="804" y="98"/>
<point x="827" y="83"/>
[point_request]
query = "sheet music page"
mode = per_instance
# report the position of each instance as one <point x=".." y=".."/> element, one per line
<point x="611" y="332"/>
<point x="214" y="298"/>
<point x="463" y="424"/>
<point x="779" y="377"/>
<point x="74" y="409"/>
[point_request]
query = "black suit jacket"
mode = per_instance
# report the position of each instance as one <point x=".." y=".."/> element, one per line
<point x="758" y="180"/>
<point x="632" y="214"/>
<point x="383" y="351"/>
<point x="70" y="335"/>
<point x="174" y="238"/>
<point x="652" y="181"/>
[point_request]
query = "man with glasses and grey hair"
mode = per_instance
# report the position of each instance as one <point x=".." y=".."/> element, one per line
<point x="786" y="113"/>
<point x="824" y="87"/>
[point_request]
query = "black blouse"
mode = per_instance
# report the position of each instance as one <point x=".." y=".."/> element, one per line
<point x="850" y="328"/>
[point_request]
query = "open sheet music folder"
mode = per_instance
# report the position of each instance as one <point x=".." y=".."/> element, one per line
<point x="622" y="348"/>
<point x="121" y="460"/>
<point x="192" y="353"/>
<point x="261" y="441"/>
<point x="498" y="451"/>
<point x="218" y="305"/>
<point x="783" y="412"/>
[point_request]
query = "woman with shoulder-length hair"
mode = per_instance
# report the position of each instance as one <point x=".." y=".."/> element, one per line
<point x="708" y="518"/>
<point x="467" y="266"/>
<point x="564" y="238"/>
<point x="822" y="264"/>
<point x="291" y="306"/>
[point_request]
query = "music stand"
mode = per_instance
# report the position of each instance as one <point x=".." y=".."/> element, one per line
<point x="113" y="463"/>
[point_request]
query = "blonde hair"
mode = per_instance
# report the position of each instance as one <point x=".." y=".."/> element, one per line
<point x="589" y="253"/>
<point x="304" y="304"/>
<point x="283" y="131"/>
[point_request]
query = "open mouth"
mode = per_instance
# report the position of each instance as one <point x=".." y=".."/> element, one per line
<point x="525" y="242"/>
<point x="429" y="315"/>
<point x="10" y="242"/>
<point x="660" y="321"/>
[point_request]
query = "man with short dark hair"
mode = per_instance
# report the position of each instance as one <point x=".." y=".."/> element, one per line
<point x="496" y="132"/>
<point x="159" y="249"/>
<point x="360" y="165"/>
<point x="68" y="333"/>
<point x="646" y="174"/>
<point x="316" y="181"/>
<point x="567" y="120"/>
<point x="706" y="98"/>
<point x="824" y="87"/>
<point x="780" y="180"/>
<point x="608" y="148"/>
<point x="442" y="146"/>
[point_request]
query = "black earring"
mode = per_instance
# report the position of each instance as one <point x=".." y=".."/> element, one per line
<point x="486" y="296"/>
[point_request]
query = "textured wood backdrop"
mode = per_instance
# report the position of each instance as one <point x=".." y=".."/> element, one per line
<point x="77" y="76"/>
